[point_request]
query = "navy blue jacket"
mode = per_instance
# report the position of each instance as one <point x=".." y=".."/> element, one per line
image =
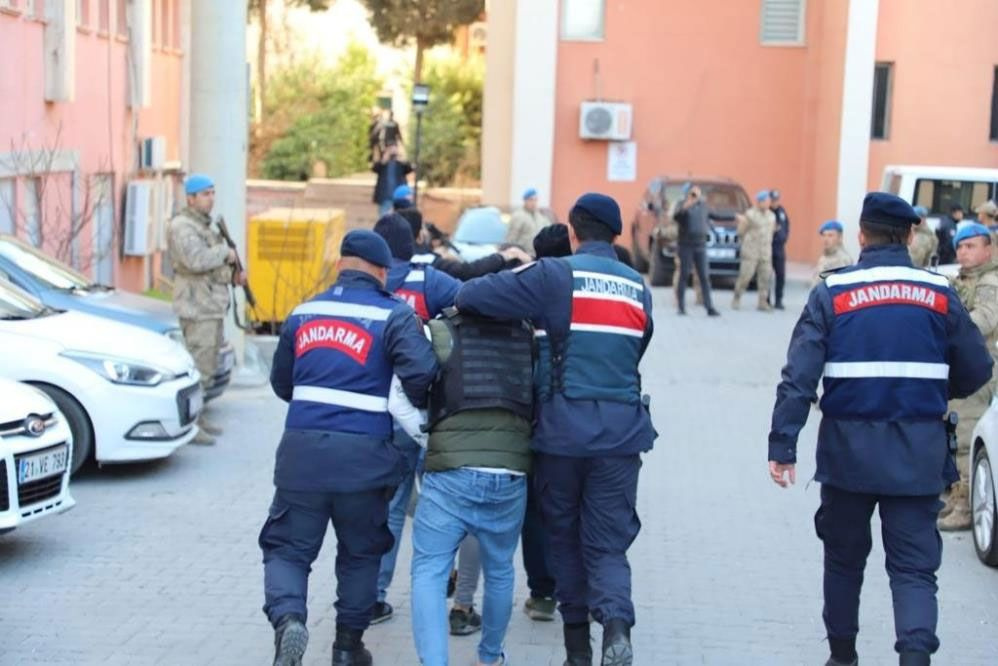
<point x="893" y="343"/>
<point x="357" y="455"/>
<point x="428" y="295"/>
<point x="782" y="231"/>
<point x="542" y="293"/>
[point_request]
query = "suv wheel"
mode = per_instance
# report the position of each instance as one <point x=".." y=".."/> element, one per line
<point x="985" y="513"/>
<point x="660" y="272"/>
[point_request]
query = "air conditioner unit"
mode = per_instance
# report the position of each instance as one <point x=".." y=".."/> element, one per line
<point x="152" y="155"/>
<point x="138" y="214"/>
<point x="607" y="121"/>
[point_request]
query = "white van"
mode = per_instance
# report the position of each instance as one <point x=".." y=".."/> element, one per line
<point x="938" y="188"/>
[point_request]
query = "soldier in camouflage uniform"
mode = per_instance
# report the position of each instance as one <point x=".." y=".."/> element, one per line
<point x="833" y="255"/>
<point x="755" y="230"/>
<point x="924" y="243"/>
<point x="203" y="270"/>
<point x="977" y="286"/>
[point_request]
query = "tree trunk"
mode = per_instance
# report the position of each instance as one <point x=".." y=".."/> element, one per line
<point x="418" y="76"/>
<point x="261" y="61"/>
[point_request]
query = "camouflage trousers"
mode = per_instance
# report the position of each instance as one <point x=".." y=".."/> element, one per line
<point x="204" y="339"/>
<point x="970" y="410"/>
<point x="759" y="268"/>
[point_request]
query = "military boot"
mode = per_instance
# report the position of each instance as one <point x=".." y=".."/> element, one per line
<point x="577" y="645"/>
<point x="843" y="652"/>
<point x="914" y="659"/>
<point x="290" y="641"/>
<point x="208" y="426"/>
<point x="960" y="518"/>
<point x="203" y="438"/>
<point x="832" y="661"/>
<point x="349" y="650"/>
<point x="617" y="649"/>
<point x="764" y="305"/>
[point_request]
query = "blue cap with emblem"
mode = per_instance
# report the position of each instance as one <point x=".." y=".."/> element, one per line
<point x="921" y="211"/>
<point x="366" y="245"/>
<point x="761" y="196"/>
<point x="971" y="230"/>
<point x="830" y="225"/>
<point x="402" y="192"/>
<point x="774" y="194"/>
<point x="603" y="208"/>
<point x="197" y="182"/>
<point x="396" y="231"/>
<point x="888" y="210"/>
<point x="531" y="192"/>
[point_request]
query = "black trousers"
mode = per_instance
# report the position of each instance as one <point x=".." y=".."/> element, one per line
<point x="780" y="269"/>
<point x="536" y="550"/>
<point x="693" y="257"/>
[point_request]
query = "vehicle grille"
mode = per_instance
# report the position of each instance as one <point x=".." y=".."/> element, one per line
<point x="183" y="402"/>
<point x="39" y="491"/>
<point x="16" y="428"/>
<point x="4" y="491"/>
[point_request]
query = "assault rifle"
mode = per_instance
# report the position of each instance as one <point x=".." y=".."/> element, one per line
<point x="238" y="265"/>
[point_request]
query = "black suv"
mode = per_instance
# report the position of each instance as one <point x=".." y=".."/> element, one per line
<point x="653" y="232"/>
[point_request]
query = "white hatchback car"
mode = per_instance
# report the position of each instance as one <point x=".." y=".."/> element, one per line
<point x="984" y="486"/>
<point x="127" y="393"/>
<point x="35" y="450"/>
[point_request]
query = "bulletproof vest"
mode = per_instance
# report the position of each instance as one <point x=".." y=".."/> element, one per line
<point x="886" y="357"/>
<point x="490" y="366"/>
<point x="413" y="291"/>
<point x="599" y="358"/>
<point x="342" y="372"/>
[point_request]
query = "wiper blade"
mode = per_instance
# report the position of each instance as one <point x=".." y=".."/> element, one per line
<point x="13" y="317"/>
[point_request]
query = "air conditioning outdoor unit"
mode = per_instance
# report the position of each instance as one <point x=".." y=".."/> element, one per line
<point x="152" y="154"/>
<point x="606" y="121"/>
<point x="138" y="207"/>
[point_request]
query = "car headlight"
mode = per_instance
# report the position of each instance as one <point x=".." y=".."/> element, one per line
<point x="120" y="370"/>
<point x="176" y="335"/>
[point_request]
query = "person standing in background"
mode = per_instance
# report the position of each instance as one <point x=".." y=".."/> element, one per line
<point x="392" y="173"/>
<point x="526" y="222"/>
<point x="780" y="236"/>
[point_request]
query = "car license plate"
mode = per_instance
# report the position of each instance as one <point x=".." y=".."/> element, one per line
<point x="721" y="253"/>
<point x="47" y="463"/>
<point x="194" y="404"/>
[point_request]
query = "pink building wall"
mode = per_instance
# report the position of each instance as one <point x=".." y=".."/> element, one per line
<point x="98" y="124"/>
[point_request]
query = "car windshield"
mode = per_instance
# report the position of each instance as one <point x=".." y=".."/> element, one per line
<point x="18" y="304"/>
<point x="720" y="197"/>
<point x="54" y="274"/>
<point x="481" y="226"/>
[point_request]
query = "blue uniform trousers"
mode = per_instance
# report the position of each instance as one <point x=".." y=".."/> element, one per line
<point x="536" y="550"/>
<point x="291" y="538"/>
<point x="589" y="508"/>
<point x="913" y="550"/>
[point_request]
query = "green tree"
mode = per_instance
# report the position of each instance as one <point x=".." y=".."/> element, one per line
<point x="320" y="114"/>
<point x="452" y="123"/>
<point x="425" y="22"/>
<point x="258" y="8"/>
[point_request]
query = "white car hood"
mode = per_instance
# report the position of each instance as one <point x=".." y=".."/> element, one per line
<point x="77" y="331"/>
<point x="17" y="400"/>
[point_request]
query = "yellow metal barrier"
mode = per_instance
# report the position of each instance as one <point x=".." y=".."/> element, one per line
<point x="292" y="254"/>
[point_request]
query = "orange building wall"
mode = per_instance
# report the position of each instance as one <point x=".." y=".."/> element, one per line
<point x="97" y="123"/>
<point x="943" y="77"/>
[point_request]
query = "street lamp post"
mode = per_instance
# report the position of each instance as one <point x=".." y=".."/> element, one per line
<point x="420" y="99"/>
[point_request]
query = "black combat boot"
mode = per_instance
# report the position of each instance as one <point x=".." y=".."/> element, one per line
<point x="349" y="650"/>
<point x="617" y="649"/>
<point x="290" y="640"/>
<point x="914" y="659"/>
<point x="843" y="652"/>
<point x="577" y="645"/>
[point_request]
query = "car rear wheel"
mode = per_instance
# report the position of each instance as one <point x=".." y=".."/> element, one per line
<point x="982" y="503"/>
<point x="79" y="425"/>
<point x="637" y="254"/>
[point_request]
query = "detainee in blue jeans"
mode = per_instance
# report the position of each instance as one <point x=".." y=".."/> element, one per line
<point x="488" y="505"/>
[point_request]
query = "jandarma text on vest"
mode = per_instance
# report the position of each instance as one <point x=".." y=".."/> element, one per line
<point x="890" y="293"/>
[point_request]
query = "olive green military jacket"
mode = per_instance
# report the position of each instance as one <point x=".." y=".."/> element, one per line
<point x="923" y="245"/>
<point x="830" y="261"/>
<point x="202" y="276"/>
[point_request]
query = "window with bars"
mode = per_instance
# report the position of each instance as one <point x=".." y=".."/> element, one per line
<point x="104" y="16"/>
<point x="121" y="18"/>
<point x="83" y="13"/>
<point x="782" y="22"/>
<point x="175" y="41"/>
<point x="165" y="22"/>
<point x="994" y="107"/>
<point x="583" y="20"/>
<point x="883" y="80"/>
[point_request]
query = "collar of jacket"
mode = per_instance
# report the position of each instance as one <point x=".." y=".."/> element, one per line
<point x="598" y="248"/>
<point x="203" y="218"/>
<point x="358" y="280"/>
<point x="978" y="271"/>
<point x="884" y="255"/>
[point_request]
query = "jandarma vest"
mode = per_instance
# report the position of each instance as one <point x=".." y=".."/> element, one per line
<point x="598" y="360"/>
<point x="886" y="353"/>
<point x="342" y="372"/>
<point x="413" y="291"/>
<point x="489" y="367"/>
